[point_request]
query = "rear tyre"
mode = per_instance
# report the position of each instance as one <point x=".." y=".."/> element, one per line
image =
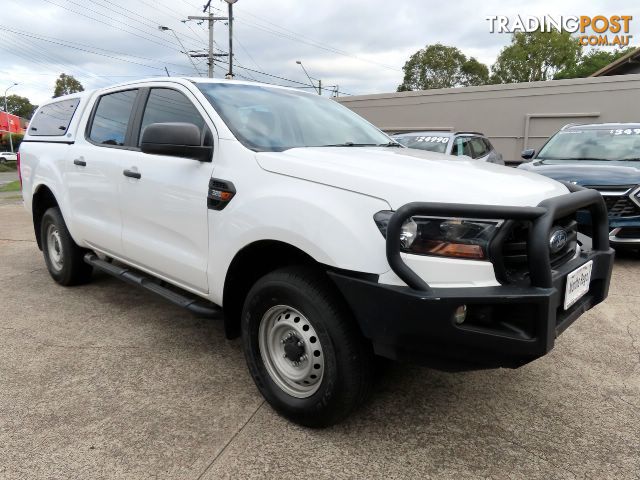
<point x="3" y="160"/>
<point x="64" y="258"/>
<point x="304" y="349"/>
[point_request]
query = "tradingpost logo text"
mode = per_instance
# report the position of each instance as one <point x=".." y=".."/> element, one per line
<point x="598" y="30"/>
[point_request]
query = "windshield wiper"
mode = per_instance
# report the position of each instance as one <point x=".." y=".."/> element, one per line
<point x="391" y="144"/>
<point x="633" y="159"/>
<point x="577" y="158"/>
<point x="351" y="144"/>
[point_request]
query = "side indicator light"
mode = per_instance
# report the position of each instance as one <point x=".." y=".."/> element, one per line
<point x="221" y="192"/>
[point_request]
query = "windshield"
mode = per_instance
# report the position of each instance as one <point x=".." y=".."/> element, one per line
<point x="432" y="143"/>
<point x="611" y="145"/>
<point x="268" y="119"/>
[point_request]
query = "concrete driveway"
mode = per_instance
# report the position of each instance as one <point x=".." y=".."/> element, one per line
<point x="6" y="177"/>
<point x="106" y="381"/>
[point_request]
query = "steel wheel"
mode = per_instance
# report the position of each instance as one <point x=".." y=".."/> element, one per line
<point x="54" y="245"/>
<point x="291" y="351"/>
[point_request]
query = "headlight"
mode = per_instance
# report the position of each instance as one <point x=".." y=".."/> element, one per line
<point x="444" y="237"/>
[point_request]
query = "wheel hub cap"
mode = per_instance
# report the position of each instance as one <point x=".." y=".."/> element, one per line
<point x="54" y="247"/>
<point x="291" y="351"/>
<point x="293" y="348"/>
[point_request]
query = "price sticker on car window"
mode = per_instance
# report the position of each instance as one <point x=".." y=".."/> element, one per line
<point x="625" y="131"/>
<point x="432" y="139"/>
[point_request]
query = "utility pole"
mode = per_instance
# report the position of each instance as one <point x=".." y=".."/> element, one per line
<point x="210" y="19"/>
<point x="230" y="15"/>
<point x="210" y="41"/>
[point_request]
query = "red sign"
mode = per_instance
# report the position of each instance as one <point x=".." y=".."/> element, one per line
<point x="10" y="123"/>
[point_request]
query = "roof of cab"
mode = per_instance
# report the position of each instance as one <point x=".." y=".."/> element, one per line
<point x="186" y="80"/>
<point x="600" y="126"/>
<point x="181" y="80"/>
<point x="441" y="133"/>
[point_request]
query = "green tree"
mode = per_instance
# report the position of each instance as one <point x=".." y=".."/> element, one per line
<point x="535" y="56"/>
<point x="441" y="66"/>
<point x="16" y="138"/>
<point x="20" y="106"/>
<point x="66" y="84"/>
<point x="474" y="73"/>
<point x="591" y="63"/>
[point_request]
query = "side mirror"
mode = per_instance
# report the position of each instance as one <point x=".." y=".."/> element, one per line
<point x="528" y="153"/>
<point x="175" y="140"/>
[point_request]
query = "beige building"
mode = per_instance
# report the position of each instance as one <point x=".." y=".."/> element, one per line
<point x="513" y="116"/>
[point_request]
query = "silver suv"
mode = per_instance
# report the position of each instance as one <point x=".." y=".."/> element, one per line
<point x="471" y="144"/>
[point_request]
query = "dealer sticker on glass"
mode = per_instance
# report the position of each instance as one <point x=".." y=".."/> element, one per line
<point x="577" y="284"/>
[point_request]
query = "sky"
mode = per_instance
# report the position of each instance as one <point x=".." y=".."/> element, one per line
<point x="358" y="45"/>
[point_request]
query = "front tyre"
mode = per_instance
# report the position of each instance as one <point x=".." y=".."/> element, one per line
<point x="303" y="347"/>
<point x="64" y="258"/>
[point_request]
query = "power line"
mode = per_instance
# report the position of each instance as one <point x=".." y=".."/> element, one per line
<point x="148" y="22"/>
<point x="50" y="58"/>
<point x="297" y="37"/>
<point x="112" y="55"/>
<point x="163" y="44"/>
<point x="88" y="48"/>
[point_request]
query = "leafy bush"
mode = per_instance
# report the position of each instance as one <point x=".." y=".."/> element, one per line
<point x="4" y="141"/>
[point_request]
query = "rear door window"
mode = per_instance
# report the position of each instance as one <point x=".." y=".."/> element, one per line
<point x="111" y="118"/>
<point x="478" y="147"/>
<point x="53" y="119"/>
<point x="462" y="146"/>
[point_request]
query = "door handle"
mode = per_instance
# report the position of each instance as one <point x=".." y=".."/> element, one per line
<point x="132" y="174"/>
<point x="80" y="162"/>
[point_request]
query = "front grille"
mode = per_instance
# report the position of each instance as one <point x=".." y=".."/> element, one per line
<point x="621" y="206"/>
<point x="512" y="263"/>
<point x="628" y="232"/>
<point x="611" y="188"/>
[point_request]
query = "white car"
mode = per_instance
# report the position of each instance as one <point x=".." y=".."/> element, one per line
<point x="8" y="157"/>
<point x="471" y="144"/>
<point x="318" y="239"/>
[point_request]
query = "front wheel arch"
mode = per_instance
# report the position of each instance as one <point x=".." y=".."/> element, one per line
<point x="249" y="265"/>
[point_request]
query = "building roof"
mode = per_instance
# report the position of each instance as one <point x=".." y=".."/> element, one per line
<point x="619" y="66"/>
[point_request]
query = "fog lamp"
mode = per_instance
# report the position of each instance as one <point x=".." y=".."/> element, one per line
<point x="460" y="315"/>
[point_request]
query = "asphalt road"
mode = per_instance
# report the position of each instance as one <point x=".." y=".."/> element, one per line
<point x="106" y="381"/>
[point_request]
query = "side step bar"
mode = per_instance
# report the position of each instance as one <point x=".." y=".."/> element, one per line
<point x="201" y="308"/>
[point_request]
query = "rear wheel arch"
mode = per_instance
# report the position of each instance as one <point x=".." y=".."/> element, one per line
<point x="43" y="199"/>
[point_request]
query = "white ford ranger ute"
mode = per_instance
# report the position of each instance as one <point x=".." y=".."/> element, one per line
<point x="315" y="237"/>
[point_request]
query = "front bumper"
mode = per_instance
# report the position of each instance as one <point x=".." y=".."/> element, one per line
<point x="507" y="325"/>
